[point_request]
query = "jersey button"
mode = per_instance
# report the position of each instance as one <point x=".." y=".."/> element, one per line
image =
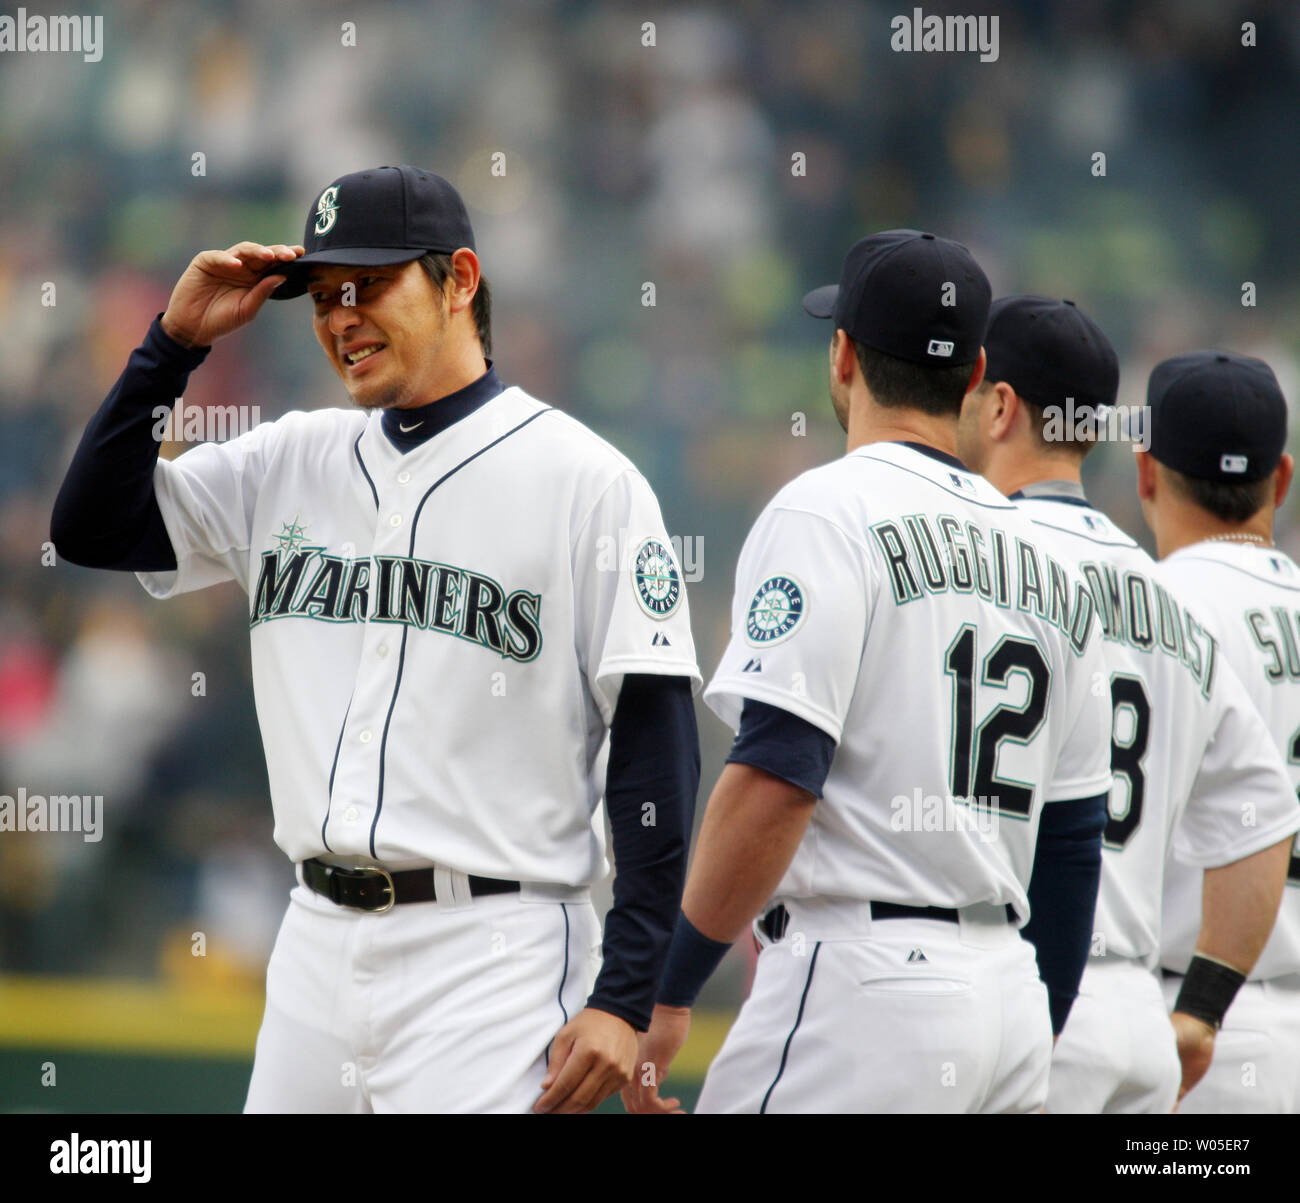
<point x="403" y="478"/>
<point x="352" y="814"/>
<point x="395" y="520"/>
<point x="382" y="650"/>
<point x="365" y="737"/>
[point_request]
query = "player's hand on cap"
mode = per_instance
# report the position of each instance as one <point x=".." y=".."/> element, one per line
<point x="1195" y="1049"/>
<point x="592" y="1056"/>
<point x="656" y="1049"/>
<point x="223" y="290"/>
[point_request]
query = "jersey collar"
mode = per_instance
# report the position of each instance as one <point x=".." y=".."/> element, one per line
<point x="1070" y="492"/>
<point x="933" y="452"/>
<point x="424" y="421"/>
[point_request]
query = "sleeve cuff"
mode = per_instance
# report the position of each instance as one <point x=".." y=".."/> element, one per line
<point x="167" y="352"/>
<point x="638" y="1019"/>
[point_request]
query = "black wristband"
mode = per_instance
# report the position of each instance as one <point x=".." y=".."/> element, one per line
<point x="1208" y="990"/>
<point x="692" y="958"/>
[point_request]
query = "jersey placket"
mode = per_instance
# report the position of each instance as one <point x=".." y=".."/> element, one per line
<point x="357" y="794"/>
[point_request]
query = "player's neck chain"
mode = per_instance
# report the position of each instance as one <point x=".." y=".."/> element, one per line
<point x="1241" y="537"/>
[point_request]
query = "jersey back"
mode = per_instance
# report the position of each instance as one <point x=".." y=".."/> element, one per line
<point x="902" y="605"/>
<point x="1251" y="598"/>
<point x="1189" y="756"/>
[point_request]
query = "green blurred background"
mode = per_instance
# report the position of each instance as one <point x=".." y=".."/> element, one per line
<point x="731" y="163"/>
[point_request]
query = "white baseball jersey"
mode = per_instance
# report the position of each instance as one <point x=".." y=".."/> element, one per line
<point x="438" y="637"/>
<point x="903" y="606"/>
<point x="1250" y="596"/>
<point x="1195" y="769"/>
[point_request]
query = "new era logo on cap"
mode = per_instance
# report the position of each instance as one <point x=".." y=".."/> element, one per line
<point x="1234" y="463"/>
<point x="939" y="346"/>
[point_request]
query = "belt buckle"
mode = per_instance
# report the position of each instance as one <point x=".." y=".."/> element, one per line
<point x="378" y="871"/>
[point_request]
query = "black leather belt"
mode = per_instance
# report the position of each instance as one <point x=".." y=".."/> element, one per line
<point x="370" y="888"/>
<point x="774" y="923"/>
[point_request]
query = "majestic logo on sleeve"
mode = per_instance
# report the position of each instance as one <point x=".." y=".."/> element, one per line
<point x="775" y="611"/>
<point x="306" y="582"/>
<point x="327" y="209"/>
<point x="658" y="587"/>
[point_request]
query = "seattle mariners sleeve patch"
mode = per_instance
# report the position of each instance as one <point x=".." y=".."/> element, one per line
<point x="658" y="585"/>
<point x="775" y="611"/>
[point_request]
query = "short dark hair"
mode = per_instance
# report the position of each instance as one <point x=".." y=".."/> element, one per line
<point x="896" y="383"/>
<point x="438" y="268"/>
<point x="1228" y="501"/>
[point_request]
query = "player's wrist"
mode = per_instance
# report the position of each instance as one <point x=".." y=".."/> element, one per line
<point x="1208" y="989"/>
<point x="177" y="335"/>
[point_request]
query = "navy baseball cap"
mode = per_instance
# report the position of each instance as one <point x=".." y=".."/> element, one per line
<point x="911" y="295"/>
<point x="1216" y="416"/>
<point x="381" y="216"/>
<point x="1050" y="350"/>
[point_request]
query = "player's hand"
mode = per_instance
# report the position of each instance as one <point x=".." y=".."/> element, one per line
<point x="592" y="1056"/>
<point x="655" y="1052"/>
<point x="223" y="290"/>
<point x="1195" y="1049"/>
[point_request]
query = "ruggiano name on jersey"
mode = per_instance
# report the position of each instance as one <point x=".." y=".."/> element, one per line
<point x="941" y="553"/>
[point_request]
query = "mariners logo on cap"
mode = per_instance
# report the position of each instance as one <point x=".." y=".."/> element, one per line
<point x="775" y="611"/>
<point x="327" y="209"/>
<point x="658" y="587"/>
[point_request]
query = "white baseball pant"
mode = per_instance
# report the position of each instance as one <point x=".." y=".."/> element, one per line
<point x="1256" y="1065"/>
<point x="851" y="1014"/>
<point x="422" y="1008"/>
<point x="1117" y="1053"/>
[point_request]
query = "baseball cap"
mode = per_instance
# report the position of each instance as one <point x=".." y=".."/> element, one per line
<point x="911" y="295"/>
<point x="380" y="216"/>
<point x="1049" y="350"/>
<point x="1216" y="416"/>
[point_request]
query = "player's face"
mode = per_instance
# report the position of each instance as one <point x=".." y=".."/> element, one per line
<point x="388" y="343"/>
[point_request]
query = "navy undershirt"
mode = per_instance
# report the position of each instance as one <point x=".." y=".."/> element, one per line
<point x="784" y="745"/>
<point x="106" y="515"/>
<point x="424" y="421"/>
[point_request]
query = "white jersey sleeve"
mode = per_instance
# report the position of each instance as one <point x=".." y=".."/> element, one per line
<point x="792" y="646"/>
<point x="630" y="608"/>
<point x="1083" y="768"/>
<point x="1242" y="800"/>
<point x="208" y="497"/>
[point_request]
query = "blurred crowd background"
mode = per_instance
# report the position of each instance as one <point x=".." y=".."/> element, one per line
<point x="674" y="164"/>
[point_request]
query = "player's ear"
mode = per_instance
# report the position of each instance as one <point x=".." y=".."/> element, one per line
<point x="1146" y="473"/>
<point x="1282" y="480"/>
<point x="462" y="284"/>
<point x="1002" y="409"/>
<point x="977" y="372"/>
<point x="843" y="357"/>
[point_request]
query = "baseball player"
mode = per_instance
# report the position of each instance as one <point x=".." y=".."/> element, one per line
<point x="467" y="625"/>
<point x="909" y="676"/>
<point x="1213" y="478"/>
<point x="1194" y="767"/>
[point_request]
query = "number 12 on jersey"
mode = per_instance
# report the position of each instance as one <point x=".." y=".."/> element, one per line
<point x="974" y="753"/>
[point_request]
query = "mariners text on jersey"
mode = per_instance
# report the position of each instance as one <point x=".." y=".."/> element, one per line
<point x="419" y="593"/>
<point x="934" y="554"/>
